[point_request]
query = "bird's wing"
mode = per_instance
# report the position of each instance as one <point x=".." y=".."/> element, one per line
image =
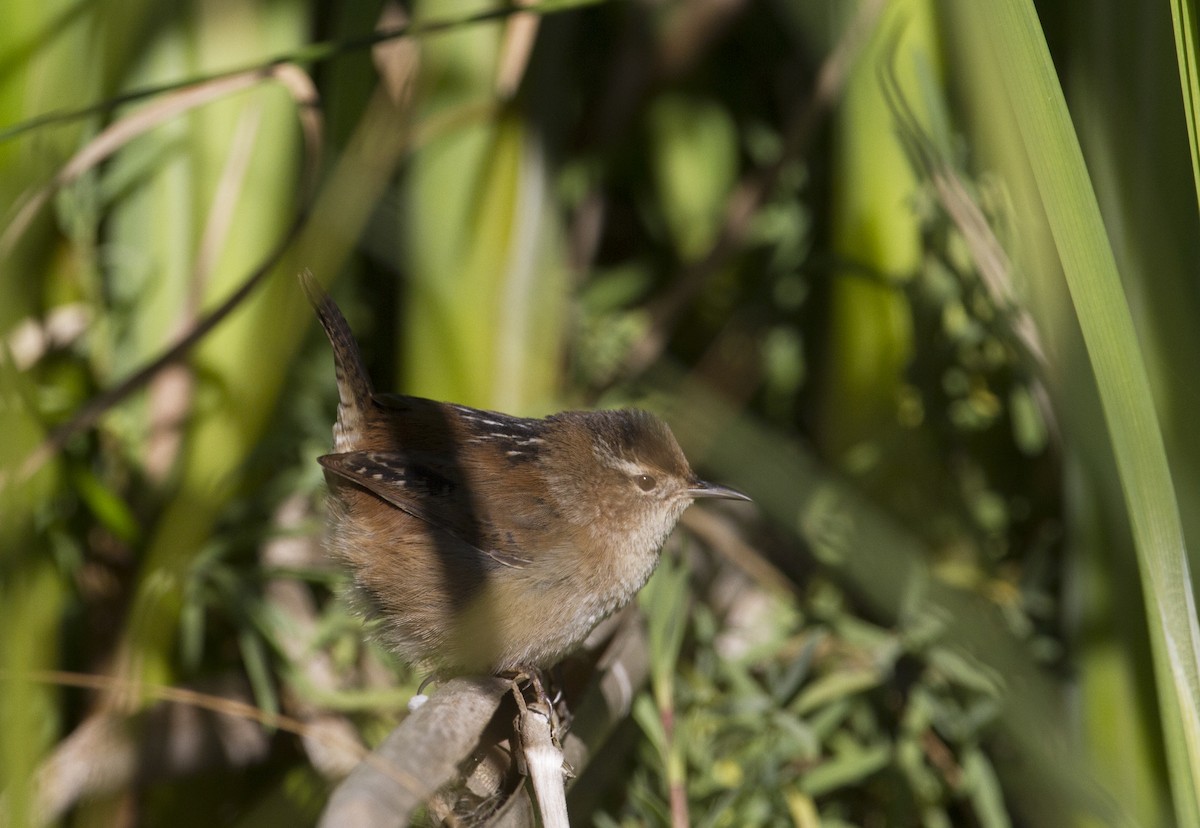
<point x="431" y="490"/>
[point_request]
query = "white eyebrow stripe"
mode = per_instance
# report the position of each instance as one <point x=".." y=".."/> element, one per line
<point x="622" y="465"/>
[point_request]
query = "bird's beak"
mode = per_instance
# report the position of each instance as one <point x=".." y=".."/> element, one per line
<point x="700" y="488"/>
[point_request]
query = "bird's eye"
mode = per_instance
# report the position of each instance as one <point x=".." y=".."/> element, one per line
<point x="645" y="482"/>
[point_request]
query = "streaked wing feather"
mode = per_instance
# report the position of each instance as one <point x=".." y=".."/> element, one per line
<point x="430" y="490"/>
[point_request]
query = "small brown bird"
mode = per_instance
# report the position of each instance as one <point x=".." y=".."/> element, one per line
<point x="486" y="542"/>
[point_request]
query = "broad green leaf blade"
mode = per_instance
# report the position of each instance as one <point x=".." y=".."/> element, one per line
<point x="483" y="323"/>
<point x="237" y="369"/>
<point x="874" y="226"/>
<point x="1089" y="266"/>
<point x="694" y="150"/>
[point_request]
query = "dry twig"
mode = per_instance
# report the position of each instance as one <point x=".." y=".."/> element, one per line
<point x="427" y="746"/>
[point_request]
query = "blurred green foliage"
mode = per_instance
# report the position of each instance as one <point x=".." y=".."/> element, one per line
<point x="768" y="220"/>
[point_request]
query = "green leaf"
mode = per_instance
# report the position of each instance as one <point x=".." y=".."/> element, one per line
<point x="1183" y="18"/>
<point x="645" y="713"/>
<point x="1040" y="112"/>
<point x="258" y="669"/>
<point x="980" y="780"/>
<point x="664" y="600"/>
<point x="836" y="686"/>
<point x="106" y="505"/>
<point x="694" y="145"/>
<point x="847" y="768"/>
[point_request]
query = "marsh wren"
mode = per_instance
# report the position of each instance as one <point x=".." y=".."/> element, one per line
<point x="490" y="543"/>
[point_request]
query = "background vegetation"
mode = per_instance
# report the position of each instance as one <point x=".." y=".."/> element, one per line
<point x="922" y="286"/>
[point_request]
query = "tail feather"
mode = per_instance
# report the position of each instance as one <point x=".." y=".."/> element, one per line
<point x="354" y="385"/>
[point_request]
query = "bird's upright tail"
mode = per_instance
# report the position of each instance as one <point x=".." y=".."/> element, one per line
<point x="354" y="386"/>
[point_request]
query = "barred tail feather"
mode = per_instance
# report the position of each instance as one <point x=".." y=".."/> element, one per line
<point x="354" y="386"/>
